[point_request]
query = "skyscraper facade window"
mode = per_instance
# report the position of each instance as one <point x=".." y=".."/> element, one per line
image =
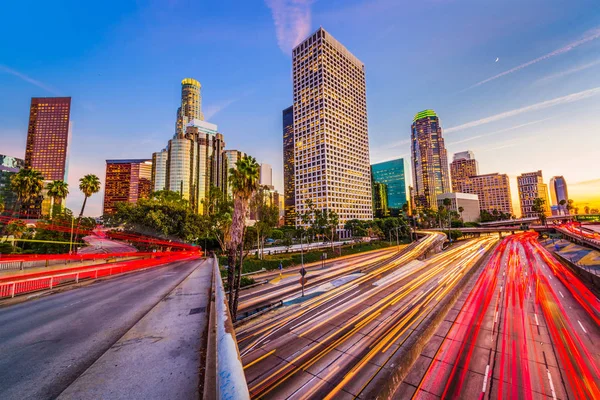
<point x="126" y="181"/>
<point x="289" y="194"/>
<point x="462" y="167"/>
<point x="191" y="104"/>
<point x="392" y="174"/>
<point x="493" y="191"/>
<point x="558" y="192"/>
<point x="429" y="159"/>
<point x="159" y="170"/>
<point x="531" y="186"/>
<point x="48" y="136"/>
<point x="331" y="156"/>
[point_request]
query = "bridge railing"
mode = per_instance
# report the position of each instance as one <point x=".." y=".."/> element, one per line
<point x="224" y="373"/>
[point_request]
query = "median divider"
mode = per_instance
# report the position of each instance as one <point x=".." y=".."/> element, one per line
<point x="224" y="373"/>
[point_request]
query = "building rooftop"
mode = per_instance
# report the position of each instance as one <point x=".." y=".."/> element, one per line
<point x="464" y="196"/>
<point x="191" y="81"/>
<point x="128" y="161"/>
<point x="424" y="114"/>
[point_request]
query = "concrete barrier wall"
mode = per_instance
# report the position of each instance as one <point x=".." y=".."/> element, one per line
<point x="586" y="277"/>
<point x="400" y="364"/>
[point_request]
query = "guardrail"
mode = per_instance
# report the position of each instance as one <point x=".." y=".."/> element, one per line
<point x="224" y="377"/>
<point x="9" y="289"/>
<point x="582" y="239"/>
<point x="44" y="260"/>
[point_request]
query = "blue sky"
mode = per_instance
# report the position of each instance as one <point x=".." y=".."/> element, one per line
<point x="537" y="107"/>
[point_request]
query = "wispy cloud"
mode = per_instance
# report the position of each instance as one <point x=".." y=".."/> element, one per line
<point x="592" y="35"/>
<point x="512" y="128"/>
<point x="26" y="78"/>
<point x="568" y="72"/>
<point x="213" y="109"/>
<point x="534" y="107"/>
<point x="292" y="21"/>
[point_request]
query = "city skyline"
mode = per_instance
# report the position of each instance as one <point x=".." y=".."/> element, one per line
<point x="525" y="103"/>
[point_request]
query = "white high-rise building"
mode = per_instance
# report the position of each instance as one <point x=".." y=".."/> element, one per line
<point x="331" y="155"/>
<point x="266" y="175"/>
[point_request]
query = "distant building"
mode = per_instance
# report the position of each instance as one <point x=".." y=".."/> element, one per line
<point x="331" y="156"/>
<point x="531" y="186"/>
<point x="469" y="203"/>
<point x="289" y="194"/>
<point x="159" y="170"/>
<point x="429" y="159"/>
<point x="392" y="174"/>
<point x="493" y="191"/>
<point x="126" y="181"/>
<point x="380" y="200"/>
<point x="266" y="175"/>
<point x="47" y="145"/>
<point x="191" y="105"/>
<point x="9" y="166"/>
<point x="230" y="158"/>
<point x="462" y="167"/>
<point x="558" y="192"/>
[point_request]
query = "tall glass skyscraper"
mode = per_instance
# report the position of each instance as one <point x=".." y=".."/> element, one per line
<point x="392" y="174"/>
<point x="558" y="192"/>
<point x="289" y="194"/>
<point x="331" y="140"/>
<point x="429" y="159"/>
<point x="191" y="104"/>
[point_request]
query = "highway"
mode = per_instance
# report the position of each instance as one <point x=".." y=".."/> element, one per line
<point x="46" y="343"/>
<point x="339" y="343"/>
<point x="528" y="329"/>
<point x="287" y="283"/>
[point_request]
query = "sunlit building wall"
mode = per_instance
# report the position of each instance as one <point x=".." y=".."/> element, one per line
<point x="126" y="181"/>
<point x="558" y="192"/>
<point x="492" y="190"/>
<point x="429" y="159"/>
<point x="531" y="186"/>
<point x="47" y="144"/>
<point x="462" y="167"/>
<point x="266" y="175"/>
<point x="288" y="167"/>
<point x="469" y="203"/>
<point x="331" y="157"/>
<point x="392" y="174"/>
<point x="159" y="170"/>
<point x="191" y="104"/>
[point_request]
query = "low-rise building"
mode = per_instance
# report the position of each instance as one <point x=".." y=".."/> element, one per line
<point x="468" y="202"/>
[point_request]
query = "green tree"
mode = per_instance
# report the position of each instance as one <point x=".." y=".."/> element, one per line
<point x="539" y="206"/>
<point x="266" y="214"/>
<point x="58" y="191"/>
<point x="460" y="211"/>
<point x="244" y="182"/>
<point x="562" y="204"/>
<point x="27" y="184"/>
<point x="16" y="228"/>
<point x="219" y="209"/>
<point x="570" y="206"/>
<point x="89" y="185"/>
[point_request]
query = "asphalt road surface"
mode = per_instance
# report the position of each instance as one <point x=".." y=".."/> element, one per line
<point x="45" y="344"/>
<point x="335" y="345"/>
<point x="528" y="330"/>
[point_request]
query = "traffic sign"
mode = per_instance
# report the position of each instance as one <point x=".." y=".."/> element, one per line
<point x="302" y="271"/>
<point x="303" y="281"/>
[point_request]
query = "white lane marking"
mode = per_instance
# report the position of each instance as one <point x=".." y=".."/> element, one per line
<point x="500" y="289"/>
<point x="550" y="276"/>
<point x="496" y="319"/>
<point x="561" y="295"/>
<point x="581" y="325"/>
<point x="536" y="320"/>
<point x="529" y="289"/>
<point x="551" y="385"/>
<point x="487" y="371"/>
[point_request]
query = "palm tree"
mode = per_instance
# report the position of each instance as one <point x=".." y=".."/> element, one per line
<point x="89" y="185"/>
<point x="448" y="204"/>
<point x="27" y="185"/>
<point x="58" y="191"/>
<point x="562" y="205"/>
<point x="244" y="182"/>
<point x="460" y="211"/>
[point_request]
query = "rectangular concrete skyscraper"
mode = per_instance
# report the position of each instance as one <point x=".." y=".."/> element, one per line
<point x="331" y="156"/>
